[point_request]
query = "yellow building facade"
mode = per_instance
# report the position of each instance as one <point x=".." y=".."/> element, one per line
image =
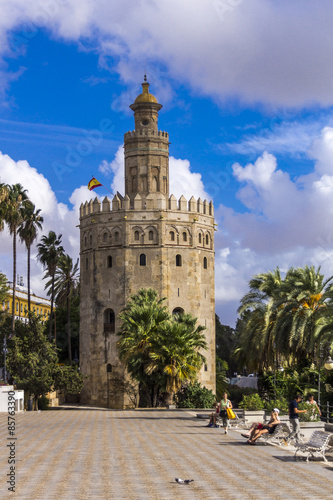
<point x="38" y="305"/>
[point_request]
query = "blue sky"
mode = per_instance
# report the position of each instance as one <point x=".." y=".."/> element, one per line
<point x="247" y="94"/>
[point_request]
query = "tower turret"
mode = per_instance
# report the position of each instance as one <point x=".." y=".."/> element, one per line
<point x="146" y="150"/>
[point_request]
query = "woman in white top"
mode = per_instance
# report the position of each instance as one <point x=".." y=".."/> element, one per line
<point x="312" y="402"/>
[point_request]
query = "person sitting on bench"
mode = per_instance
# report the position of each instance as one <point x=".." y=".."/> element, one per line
<point x="257" y="425"/>
<point x="270" y="427"/>
<point x="213" y="416"/>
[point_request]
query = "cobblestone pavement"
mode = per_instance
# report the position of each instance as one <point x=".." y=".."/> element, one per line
<point x="97" y="454"/>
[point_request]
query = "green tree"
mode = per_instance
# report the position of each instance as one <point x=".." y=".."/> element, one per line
<point x="49" y="252"/>
<point x="61" y="322"/>
<point x="141" y="319"/>
<point x="284" y="319"/>
<point x="157" y="346"/>
<point x="258" y="312"/>
<point x="303" y="306"/>
<point x="32" y="359"/>
<point x="12" y="210"/>
<point x="27" y="231"/>
<point x="176" y="352"/>
<point x="4" y="288"/>
<point x="33" y="362"/>
<point x="3" y="199"/>
<point x="65" y="283"/>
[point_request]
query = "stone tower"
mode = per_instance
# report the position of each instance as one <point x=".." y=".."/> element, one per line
<point x="144" y="239"/>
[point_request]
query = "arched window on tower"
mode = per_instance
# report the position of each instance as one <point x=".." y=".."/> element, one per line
<point x="150" y="236"/>
<point x="200" y="239"/>
<point x="172" y="235"/>
<point x="109" y="321"/>
<point x="184" y="236"/>
<point x="109" y="261"/>
<point x="136" y="236"/>
<point x="105" y="237"/>
<point x="205" y="262"/>
<point x="178" y="260"/>
<point x="90" y="239"/>
<point x="142" y="259"/>
<point x="116" y="236"/>
<point x="207" y="239"/>
<point x="178" y="310"/>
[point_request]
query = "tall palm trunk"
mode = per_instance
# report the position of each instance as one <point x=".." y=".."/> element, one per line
<point x="28" y="277"/>
<point x="69" y="329"/>
<point x="51" y="312"/>
<point x="14" y="279"/>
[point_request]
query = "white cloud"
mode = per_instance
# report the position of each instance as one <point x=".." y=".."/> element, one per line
<point x="57" y="217"/>
<point x="287" y="223"/>
<point x="271" y="52"/>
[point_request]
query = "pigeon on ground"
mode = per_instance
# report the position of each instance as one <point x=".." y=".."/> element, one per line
<point x="184" y="481"/>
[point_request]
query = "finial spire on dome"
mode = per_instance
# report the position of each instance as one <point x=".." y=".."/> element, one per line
<point x="145" y="77"/>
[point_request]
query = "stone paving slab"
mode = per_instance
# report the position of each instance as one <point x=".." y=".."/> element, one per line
<point x="99" y="454"/>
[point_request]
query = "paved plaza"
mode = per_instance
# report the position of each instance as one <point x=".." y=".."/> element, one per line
<point x="79" y="454"/>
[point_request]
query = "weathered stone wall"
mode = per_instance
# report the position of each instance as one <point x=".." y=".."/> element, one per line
<point x="112" y="241"/>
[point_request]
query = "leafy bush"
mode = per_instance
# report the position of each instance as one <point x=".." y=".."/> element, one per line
<point x="282" y="404"/>
<point x="195" y="396"/>
<point x="236" y="393"/>
<point x="252" y="402"/>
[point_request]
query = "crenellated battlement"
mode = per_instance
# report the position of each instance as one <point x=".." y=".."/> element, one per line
<point x="145" y="133"/>
<point x="152" y="202"/>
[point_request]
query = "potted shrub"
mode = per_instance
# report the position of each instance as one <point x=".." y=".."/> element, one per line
<point x="253" y="407"/>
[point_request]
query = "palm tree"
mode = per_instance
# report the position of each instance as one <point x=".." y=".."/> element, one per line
<point x="49" y="252"/>
<point x="258" y="311"/>
<point x="304" y="306"/>
<point x="3" y="198"/>
<point x="141" y="319"/>
<point x="65" y="286"/>
<point x="176" y="352"/>
<point x="158" y="347"/>
<point x="27" y="231"/>
<point x="12" y="207"/>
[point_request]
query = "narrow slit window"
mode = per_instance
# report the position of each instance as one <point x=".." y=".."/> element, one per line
<point x="143" y="260"/>
<point x="178" y="260"/>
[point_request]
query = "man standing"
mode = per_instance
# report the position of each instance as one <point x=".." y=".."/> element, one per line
<point x="293" y="419"/>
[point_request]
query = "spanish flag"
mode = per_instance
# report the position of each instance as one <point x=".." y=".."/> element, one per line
<point x="94" y="184"/>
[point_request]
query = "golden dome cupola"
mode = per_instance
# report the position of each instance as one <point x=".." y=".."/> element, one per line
<point x="146" y="110"/>
<point x="145" y="96"/>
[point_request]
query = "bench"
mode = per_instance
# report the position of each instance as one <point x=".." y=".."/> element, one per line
<point x="318" y="443"/>
<point x="280" y="433"/>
